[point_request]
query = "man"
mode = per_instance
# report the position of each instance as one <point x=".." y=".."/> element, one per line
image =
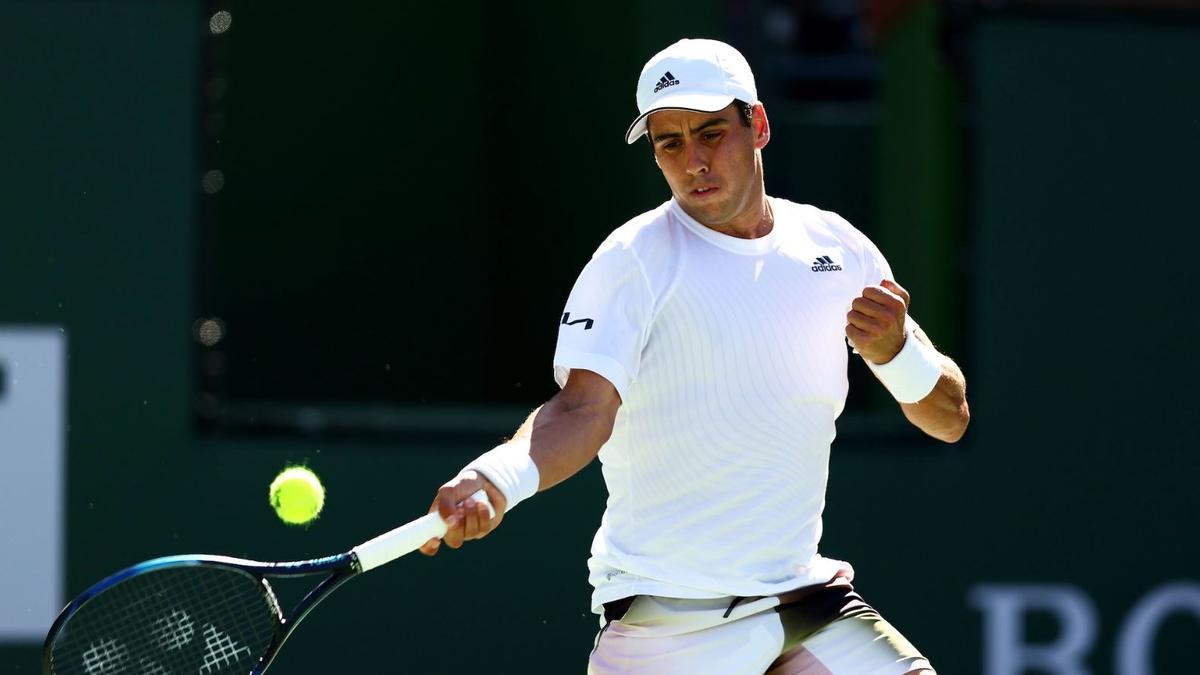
<point x="702" y="355"/>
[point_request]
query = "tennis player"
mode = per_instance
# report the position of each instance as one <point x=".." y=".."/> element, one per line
<point x="702" y="355"/>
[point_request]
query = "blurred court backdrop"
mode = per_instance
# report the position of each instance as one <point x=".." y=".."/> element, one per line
<point x="235" y="235"/>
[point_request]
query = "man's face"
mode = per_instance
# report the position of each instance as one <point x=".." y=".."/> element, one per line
<point x="712" y="162"/>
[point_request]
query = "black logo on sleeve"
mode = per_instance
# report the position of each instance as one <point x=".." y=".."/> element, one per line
<point x="825" y="264"/>
<point x="665" y="81"/>
<point x="566" y="321"/>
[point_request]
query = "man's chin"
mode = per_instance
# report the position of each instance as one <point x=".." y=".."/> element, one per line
<point x="707" y="212"/>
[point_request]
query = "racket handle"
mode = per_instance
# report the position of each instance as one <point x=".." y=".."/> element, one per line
<point x="408" y="537"/>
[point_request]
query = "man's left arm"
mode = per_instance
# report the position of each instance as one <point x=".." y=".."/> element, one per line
<point x="943" y="413"/>
<point x="930" y="387"/>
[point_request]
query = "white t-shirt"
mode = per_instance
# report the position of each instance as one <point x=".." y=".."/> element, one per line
<point x="730" y="358"/>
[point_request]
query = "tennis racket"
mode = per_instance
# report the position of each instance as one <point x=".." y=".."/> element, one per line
<point x="206" y="614"/>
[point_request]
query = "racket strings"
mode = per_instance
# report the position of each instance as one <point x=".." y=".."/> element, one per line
<point x="195" y="619"/>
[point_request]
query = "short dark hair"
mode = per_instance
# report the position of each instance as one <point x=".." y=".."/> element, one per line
<point x="746" y="110"/>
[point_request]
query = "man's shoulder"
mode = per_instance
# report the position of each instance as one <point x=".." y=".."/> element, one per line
<point x="645" y="235"/>
<point x="809" y="215"/>
<point x="817" y="221"/>
<point x="644" y="227"/>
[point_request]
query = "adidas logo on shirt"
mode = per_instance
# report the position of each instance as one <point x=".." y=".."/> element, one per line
<point x="665" y="81"/>
<point x="825" y="264"/>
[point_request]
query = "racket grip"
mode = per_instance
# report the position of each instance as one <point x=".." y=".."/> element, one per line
<point x="408" y="537"/>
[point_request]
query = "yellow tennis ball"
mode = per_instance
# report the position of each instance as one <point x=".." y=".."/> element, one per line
<point x="297" y="495"/>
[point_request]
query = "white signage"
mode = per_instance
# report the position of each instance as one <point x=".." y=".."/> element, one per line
<point x="1005" y="606"/>
<point x="33" y="402"/>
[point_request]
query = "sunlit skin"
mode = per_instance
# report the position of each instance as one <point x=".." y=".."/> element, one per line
<point x="713" y="165"/>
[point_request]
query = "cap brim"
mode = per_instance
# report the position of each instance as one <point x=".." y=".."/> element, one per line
<point x="689" y="101"/>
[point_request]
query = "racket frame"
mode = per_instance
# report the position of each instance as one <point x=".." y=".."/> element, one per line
<point x="341" y="568"/>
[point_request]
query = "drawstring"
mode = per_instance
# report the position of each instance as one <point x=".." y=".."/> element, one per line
<point x="596" y="644"/>
<point x="731" y="606"/>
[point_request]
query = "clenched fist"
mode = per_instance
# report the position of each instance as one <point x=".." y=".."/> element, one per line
<point x="875" y="323"/>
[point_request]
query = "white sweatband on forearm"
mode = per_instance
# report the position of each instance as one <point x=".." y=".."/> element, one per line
<point x="913" y="372"/>
<point x="511" y="470"/>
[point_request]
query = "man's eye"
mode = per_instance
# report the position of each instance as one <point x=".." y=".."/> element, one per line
<point x="712" y="135"/>
<point x="670" y="146"/>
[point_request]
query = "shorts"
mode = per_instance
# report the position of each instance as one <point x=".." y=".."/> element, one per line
<point x="825" y="629"/>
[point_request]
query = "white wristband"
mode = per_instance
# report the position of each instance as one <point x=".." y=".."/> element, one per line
<point x="511" y="470"/>
<point x="913" y="372"/>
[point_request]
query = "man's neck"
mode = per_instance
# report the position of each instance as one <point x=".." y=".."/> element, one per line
<point x="756" y="223"/>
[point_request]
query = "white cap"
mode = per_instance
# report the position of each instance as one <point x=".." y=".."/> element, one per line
<point x="699" y="75"/>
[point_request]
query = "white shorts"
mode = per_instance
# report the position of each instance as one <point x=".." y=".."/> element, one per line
<point x="818" y="631"/>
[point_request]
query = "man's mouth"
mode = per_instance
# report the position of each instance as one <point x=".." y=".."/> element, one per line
<point x="701" y="191"/>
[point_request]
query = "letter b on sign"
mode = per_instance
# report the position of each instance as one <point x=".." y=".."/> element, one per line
<point x="1004" y="608"/>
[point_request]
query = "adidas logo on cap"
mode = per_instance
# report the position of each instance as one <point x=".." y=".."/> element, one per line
<point x="665" y="81"/>
<point x="702" y="75"/>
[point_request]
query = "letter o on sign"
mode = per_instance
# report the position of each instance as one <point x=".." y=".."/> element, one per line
<point x="1135" y="643"/>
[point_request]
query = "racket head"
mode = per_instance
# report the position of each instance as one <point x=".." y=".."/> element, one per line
<point x="207" y="614"/>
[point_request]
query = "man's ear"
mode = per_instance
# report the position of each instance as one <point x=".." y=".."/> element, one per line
<point x="761" y="126"/>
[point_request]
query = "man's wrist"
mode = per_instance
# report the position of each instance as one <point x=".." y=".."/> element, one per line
<point x="510" y="468"/>
<point x="913" y="372"/>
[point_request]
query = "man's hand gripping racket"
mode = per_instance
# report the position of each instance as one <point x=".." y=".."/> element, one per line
<point x="214" y="614"/>
<point x="466" y="520"/>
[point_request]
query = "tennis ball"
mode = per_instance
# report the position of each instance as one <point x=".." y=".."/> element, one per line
<point x="297" y="495"/>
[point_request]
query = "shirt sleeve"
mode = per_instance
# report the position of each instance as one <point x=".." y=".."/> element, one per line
<point x="875" y="266"/>
<point x="606" y="319"/>
<point x="876" y="269"/>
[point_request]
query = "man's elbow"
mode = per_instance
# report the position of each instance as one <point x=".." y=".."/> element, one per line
<point x="957" y="425"/>
<point x="944" y="420"/>
<point x="604" y="420"/>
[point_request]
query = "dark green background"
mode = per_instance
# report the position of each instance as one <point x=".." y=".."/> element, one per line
<point x="1065" y="182"/>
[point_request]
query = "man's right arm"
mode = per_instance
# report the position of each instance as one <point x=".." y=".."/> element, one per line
<point x="564" y="435"/>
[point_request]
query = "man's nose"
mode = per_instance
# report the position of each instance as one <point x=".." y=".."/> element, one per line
<point x="697" y="159"/>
